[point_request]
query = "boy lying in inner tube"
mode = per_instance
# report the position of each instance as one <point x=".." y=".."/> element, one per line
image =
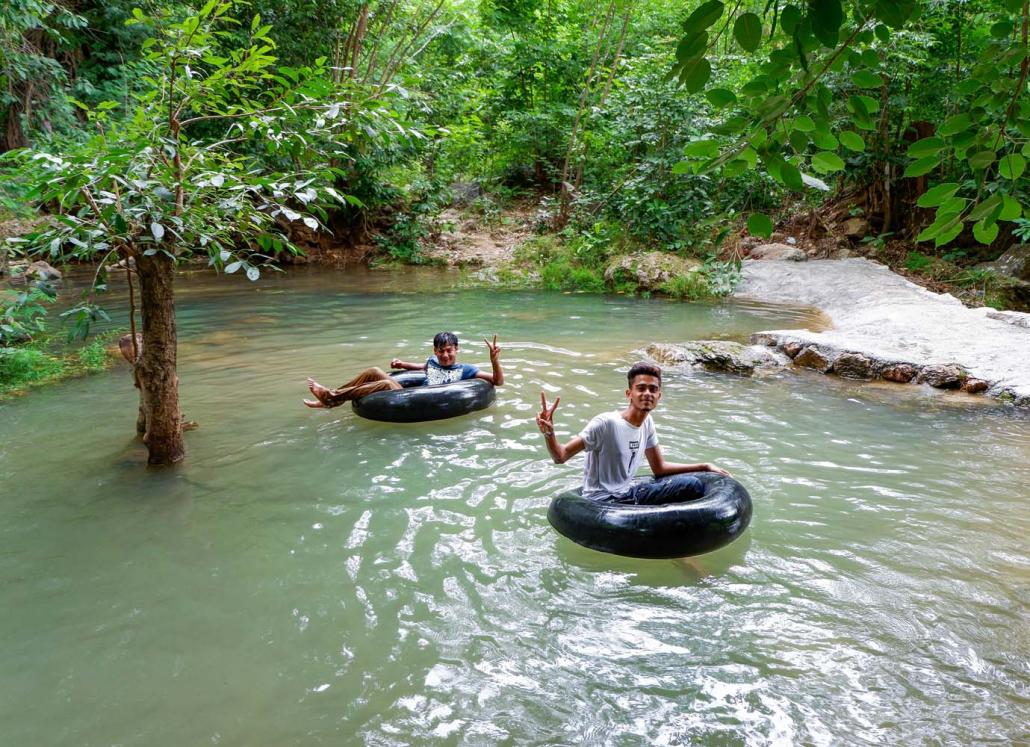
<point x="613" y="444"/>
<point x="441" y="368"/>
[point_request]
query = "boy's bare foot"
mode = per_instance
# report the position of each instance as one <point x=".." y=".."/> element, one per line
<point x="318" y="390"/>
<point x="313" y="403"/>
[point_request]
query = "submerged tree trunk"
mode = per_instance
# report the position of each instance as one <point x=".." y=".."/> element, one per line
<point x="159" y="384"/>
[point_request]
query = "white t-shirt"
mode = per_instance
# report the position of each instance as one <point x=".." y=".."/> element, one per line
<point x="614" y="450"/>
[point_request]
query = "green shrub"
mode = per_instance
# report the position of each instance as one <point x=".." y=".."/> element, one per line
<point x="561" y="274"/>
<point x="538" y="250"/>
<point x="22" y="366"/>
<point x="691" y="286"/>
<point x="93" y="357"/>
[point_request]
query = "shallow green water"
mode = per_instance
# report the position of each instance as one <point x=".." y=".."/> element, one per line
<point x="307" y="577"/>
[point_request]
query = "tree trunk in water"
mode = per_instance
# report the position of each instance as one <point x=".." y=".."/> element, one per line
<point x="159" y="384"/>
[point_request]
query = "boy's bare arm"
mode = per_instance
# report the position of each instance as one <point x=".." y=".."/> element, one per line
<point x="662" y="468"/>
<point x="560" y="453"/>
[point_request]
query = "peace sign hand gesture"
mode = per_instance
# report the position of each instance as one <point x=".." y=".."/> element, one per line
<point x="545" y="420"/>
<point x="495" y="349"/>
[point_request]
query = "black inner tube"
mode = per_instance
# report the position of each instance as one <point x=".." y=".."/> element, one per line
<point x="416" y="403"/>
<point x="668" y="530"/>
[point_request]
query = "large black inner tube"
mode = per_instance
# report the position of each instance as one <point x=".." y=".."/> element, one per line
<point x="668" y="530"/>
<point x="416" y="402"/>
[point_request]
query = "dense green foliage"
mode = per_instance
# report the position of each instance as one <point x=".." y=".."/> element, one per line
<point x="666" y="120"/>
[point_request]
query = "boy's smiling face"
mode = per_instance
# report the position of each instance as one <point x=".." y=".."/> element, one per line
<point x="447" y="355"/>
<point x="645" y="392"/>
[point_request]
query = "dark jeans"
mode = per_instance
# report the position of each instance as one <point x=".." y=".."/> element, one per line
<point x="672" y="489"/>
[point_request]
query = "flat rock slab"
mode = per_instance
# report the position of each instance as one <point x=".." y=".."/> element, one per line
<point x="887" y="327"/>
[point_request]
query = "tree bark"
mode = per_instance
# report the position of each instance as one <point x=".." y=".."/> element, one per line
<point x="159" y="385"/>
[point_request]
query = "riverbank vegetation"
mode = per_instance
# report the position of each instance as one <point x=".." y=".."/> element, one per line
<point x="145" y="133"/>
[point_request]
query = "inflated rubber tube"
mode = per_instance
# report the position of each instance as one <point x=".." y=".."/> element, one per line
<point x="668" y="530"/>
<point x="416" y="402"/>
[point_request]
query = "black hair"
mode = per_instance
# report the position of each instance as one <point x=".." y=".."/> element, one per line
<point x="643" y="369"/>
<point x="443" y="339"/>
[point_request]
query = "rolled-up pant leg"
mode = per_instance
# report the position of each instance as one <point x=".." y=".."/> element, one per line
<point x="367" y="382"/>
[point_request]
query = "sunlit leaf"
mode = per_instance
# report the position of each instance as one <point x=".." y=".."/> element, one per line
<point x="852" y="141"/>
<point x="937" y="195"/>
<point x="826" y="162"/>
<point x="985" y="233"/>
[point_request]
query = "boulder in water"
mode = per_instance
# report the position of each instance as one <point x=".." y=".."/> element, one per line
<point x="718" y="355"/>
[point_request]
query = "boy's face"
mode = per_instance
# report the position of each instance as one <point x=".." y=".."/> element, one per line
<point x="644" y="392"/>
<point x="447" y="355"/>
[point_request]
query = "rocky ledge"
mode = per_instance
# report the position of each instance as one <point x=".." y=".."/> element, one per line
<point x="885" y="327"/>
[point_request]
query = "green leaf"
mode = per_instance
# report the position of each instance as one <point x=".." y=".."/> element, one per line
<point x="759" y="224"/>
<point x="734" y="168"/>
<point x="984" y="233"/>
<point x="824" y="140"/>
<point x="692" y="46"/>
<point x="871" y="105"/>
<point x="790" y="17"/>
<point x="981" y="160"/>
<point x="1010" y="208"/>
<point x="948" y="233"/>
<point x="953" y="206"/>
<point x="720" y="97"/>
<point x="985" y="208"/>
<point x="856" y="105"/>
<point x="157" y="230"/>
<point x="852" y="141"/>
<point x="701" y="149"/>
<point x="943" y="223"/>
<point x="791" y="176"/>
<point x="955" y="124"/>
<point x="937" y="195"/>
<point x="1002" y="29"/>
<point x="696" y="74"/>
<point x="922" y="166"/>
<point x="682" y="167"/>
<point x="1012" y="166"/>
<point x="866" y="79"/>
<point x="747" y="30"/>
<point x="882" y="32"/>
<point x="826" y="162"/>
<point x="704" y="16"/>
<point x="233" y="267"/>
<point x="804" y="123"/>
<point x="894" y="12"/>
<point x="827" y="17"/>
<point x="928" y="146"/>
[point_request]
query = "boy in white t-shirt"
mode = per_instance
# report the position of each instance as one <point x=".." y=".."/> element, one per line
<point x="615" y="443"/>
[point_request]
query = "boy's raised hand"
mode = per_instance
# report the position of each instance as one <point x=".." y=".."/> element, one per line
<point x="545" y="420"/>
<point x="495" y="349"/>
